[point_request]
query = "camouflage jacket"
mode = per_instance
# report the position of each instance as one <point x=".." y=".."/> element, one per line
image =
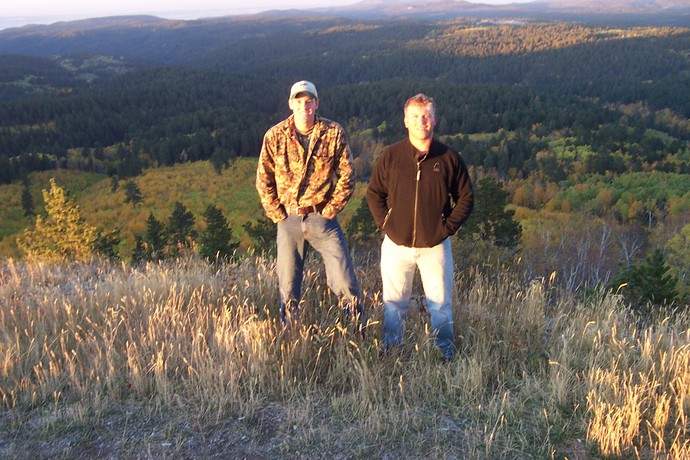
<point x="288" y="176"/>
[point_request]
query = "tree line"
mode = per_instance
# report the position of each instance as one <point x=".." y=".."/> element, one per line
<point x="62" y="235"/>
<point x="125" y="130"/>
<point x="550" y="76"/>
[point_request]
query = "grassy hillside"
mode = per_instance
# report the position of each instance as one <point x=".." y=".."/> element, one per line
<point x="186" y="360"/>
<point x="196" y="185"/>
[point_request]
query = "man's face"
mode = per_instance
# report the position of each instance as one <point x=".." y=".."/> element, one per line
<point x="420" y="121"/>
<point x="303" y="107"/>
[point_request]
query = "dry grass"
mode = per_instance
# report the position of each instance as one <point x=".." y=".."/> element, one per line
<point x="187" y="360"/>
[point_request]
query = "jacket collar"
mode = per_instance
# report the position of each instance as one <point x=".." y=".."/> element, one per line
<point x="290" y="129"/>
<point x="433" y="149"/>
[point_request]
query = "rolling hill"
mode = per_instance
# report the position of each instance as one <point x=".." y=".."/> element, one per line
<point x="563" y="112"/>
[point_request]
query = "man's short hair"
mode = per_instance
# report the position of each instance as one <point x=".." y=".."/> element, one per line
<point x="423" y="100"/>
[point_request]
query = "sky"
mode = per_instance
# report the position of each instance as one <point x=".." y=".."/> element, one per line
<point x="15" y="13"/>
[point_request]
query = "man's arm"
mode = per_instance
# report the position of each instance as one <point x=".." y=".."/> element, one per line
<point x="266" y="181"/>
<point x="345" y="177"/>
<point x="463" y="195"/>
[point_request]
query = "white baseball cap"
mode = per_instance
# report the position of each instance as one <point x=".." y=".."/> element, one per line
<point x="303" y="86"/>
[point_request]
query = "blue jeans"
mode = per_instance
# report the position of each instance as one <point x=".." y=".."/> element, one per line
<point x="398" y="264"/>
<point x="326" y="237"/>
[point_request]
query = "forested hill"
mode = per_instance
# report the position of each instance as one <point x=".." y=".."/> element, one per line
<point x="99" y="105"/>
<point x="117" y="95"/>
<point x="585" y="123"/>
<point x="176" y="41"/>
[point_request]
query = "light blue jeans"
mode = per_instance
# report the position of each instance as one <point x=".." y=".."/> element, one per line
<point x="398" y="265"/>
<point x="326" y="237"/>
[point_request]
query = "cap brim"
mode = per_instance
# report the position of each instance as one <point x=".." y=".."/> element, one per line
<point x="303" y="92"/>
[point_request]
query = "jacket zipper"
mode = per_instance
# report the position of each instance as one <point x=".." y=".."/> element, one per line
<point x="416" y="202"/>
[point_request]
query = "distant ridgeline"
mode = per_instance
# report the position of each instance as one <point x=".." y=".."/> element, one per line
<point x="122" y="94"/>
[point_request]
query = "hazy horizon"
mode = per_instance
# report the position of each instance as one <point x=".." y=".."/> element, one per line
<point x="36" y="12"/>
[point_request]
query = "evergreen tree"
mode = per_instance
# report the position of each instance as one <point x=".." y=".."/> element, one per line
<point x="219" y="159"/>
<point x="62" y="235"/>
<point x="27" y="198"/>
<point x="678" y="257"/>
<point x="362" y="229"/>
<point x="106" y="244"/>
<point x="128" y="163"/>
<point x="115" y="184"/>
<point x="139" y="255"/>
<point x="133" y="193"/>
<point x="262" y="233"/>
<point x="647" y="283"/>
<point x="216" y="242"/>
<point x="154" y="240"/>
<point x="180" y="229"/>
<point x="490" y="220"/>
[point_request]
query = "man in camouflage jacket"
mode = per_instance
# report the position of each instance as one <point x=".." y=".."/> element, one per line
<point x="305" y="178"/>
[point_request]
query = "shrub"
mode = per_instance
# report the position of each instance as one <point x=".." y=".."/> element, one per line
<point x="62" y="235"/>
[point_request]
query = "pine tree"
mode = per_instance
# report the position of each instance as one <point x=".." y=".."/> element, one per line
<point x="139" y="255"/>
<point x="114" y="184"/>
<point x="219" y="159"/>
<point x="106" y="244"/>
<point x="180" y="229"/>
<point x="490" y="220"/>
<point x="128" y="164"/>
<point x="27" y="198"/>
<point x="62" y="235"/>
<point x="362" y="228"/>
<point x="262" y="233"/>
<point x="677" y="252"/>
<point x="154" y="239"/>
<point x="216" y="242"/>
<point x="647" y="283"/>
<point x="133" y="193"/>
